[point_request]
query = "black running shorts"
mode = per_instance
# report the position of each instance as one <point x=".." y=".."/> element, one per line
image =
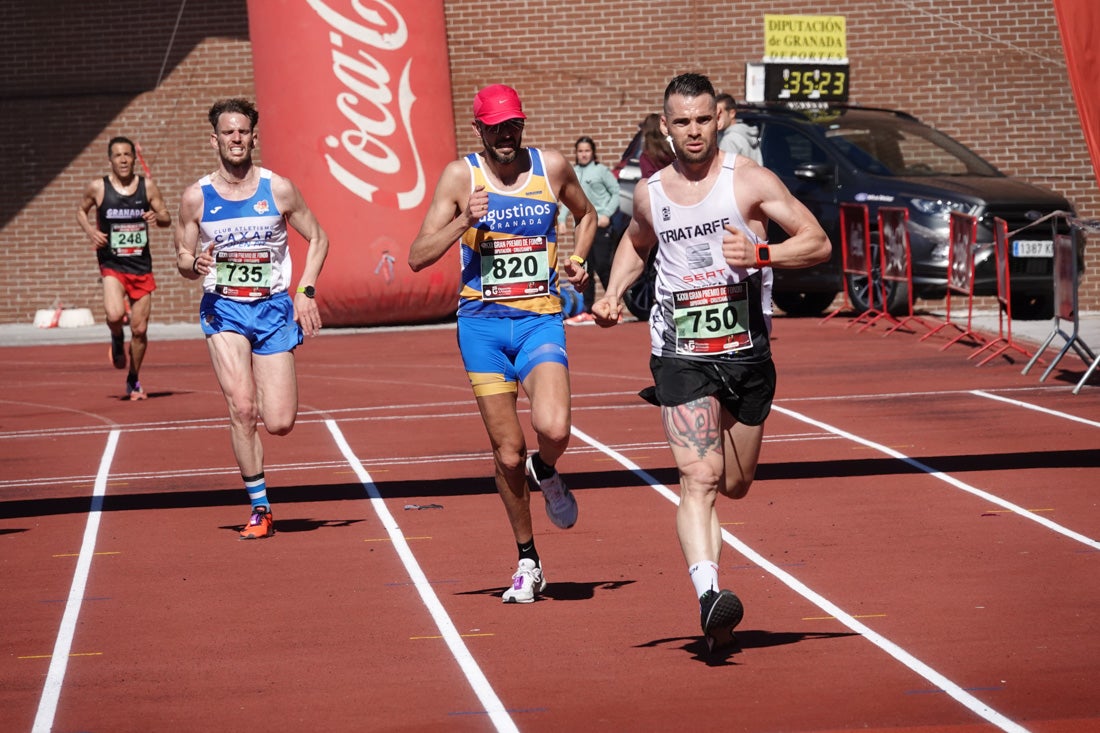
<point x="745" y="390"/>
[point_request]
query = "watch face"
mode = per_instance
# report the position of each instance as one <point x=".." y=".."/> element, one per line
<point x="308" y="291"/>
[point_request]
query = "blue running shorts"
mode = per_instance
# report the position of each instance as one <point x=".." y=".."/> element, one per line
<point x="498" y="353"/>
<point x="268" y="324"/>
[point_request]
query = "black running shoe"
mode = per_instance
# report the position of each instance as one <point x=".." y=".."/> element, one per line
<point x="720" y="612"/>
<point x="118" y="352"/>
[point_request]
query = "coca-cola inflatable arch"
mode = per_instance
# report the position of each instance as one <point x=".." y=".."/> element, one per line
<point x="355" y="108"/>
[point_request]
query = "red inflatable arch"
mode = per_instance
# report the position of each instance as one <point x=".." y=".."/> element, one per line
<point x="1079" y="24"/>
<point x="355" y="108"/>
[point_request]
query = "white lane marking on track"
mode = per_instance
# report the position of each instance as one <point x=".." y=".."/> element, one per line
<point x="1029" y="406"/>
<point x="943" y="683"/>
<point x="51" y="691"/>
<point x="448" y="458"/>
<point x="484" y="691"/>
<point x="993" y="499"/>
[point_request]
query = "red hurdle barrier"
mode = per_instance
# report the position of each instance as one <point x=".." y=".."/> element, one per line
<point x="896" y="262"/>
<point x="855" y="245"/>
<point x="963" y="238"/>
<point x="1004" y="341"/>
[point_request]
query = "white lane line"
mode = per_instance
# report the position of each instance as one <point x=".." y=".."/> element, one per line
<point x="991" y="498"/>
<point x="484" y="691"/>
<point x="1029" y="406"/>
<point x="943" y="683"/>
<point x="51" y="691"/>
<point x="443" y="458"/>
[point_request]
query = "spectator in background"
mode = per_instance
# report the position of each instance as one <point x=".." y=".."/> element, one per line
<point x="602" y="189"/>
<point x="125" y="204"/>
<point x="736" y="137"/>
<point x="656" y="150"/>
<point x="725" y="115"/>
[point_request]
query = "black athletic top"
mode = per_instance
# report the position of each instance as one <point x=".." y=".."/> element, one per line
<point x="119" y="217"/>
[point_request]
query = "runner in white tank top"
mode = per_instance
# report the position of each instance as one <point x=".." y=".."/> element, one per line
<point x="708" y="214"/>
<point x="705" y="308"/>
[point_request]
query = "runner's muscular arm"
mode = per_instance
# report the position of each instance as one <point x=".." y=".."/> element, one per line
<point x="630" y="259"/>
<point x="93" y="195"/>
<point x="158" y="211"/>
<point x="770" y="200"/>
<point x="452" y="211"/>
<point x="189" y="261"/>
<point x="298" y="214"/>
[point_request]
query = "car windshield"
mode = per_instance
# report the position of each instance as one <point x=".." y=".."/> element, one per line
<point x="899" y="147"/>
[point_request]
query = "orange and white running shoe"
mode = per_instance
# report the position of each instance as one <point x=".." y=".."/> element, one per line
<point x="260" y="525"/>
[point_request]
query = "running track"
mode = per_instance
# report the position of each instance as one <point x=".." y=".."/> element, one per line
<point x="919" y="551"/>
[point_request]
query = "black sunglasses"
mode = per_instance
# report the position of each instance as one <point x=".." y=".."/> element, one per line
<point x="515" y="123"/>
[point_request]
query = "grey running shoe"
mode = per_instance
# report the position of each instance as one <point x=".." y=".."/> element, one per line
<point x="561" y="507"/>
<point x="720" y="612"/>
<point x="527" y="582"/>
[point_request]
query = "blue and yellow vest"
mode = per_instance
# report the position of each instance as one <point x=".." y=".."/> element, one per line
<point x="510" y="258"/>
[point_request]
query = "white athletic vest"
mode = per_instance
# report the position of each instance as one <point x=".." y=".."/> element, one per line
<point x="705" y="309"/>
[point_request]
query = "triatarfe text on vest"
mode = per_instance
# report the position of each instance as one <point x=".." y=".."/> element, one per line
<point x="705" y="229"/>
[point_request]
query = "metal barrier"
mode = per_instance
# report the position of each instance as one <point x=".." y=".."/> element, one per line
<point x="1004" y="341"/>
<point x="855" y="246"/>
<point x="963" y="238"/>
<point x="896" y="262"/>
<point x="1068" y="256"/>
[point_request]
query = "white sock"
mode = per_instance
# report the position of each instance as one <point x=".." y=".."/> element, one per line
<point x="704" y="576"/>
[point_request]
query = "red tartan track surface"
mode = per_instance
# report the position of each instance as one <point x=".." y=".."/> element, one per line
<point x="918" y="552"/>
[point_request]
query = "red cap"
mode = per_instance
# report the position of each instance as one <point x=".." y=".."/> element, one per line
<point x="497" y="103"/>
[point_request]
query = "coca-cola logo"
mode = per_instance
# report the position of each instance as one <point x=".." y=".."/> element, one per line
<point x="367" y="101"/>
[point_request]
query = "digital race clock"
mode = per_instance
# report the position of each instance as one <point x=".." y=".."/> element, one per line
<point x="805" y="82"/>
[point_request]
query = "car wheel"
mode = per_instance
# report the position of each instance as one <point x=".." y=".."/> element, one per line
<point x="1032" y="306"/>
<point x="799" y="305"/>
<point x="897" y="296"/>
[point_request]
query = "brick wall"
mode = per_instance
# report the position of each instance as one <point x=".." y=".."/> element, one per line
<point x="991" y="75"/>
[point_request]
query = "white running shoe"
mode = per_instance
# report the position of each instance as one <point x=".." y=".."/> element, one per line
<point x="526" y="583"/>
<point x="561" y="507"/>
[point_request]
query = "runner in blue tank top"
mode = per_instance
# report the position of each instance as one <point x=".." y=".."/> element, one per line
<point x="501" y="205"/>
<point x="232" y="235"/>
<point x="710" y="356"/>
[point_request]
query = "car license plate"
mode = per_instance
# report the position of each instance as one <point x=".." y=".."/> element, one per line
<point x="1032" y="248"/>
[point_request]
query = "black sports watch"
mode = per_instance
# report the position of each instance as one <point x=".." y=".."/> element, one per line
<point x="308" y="291"/>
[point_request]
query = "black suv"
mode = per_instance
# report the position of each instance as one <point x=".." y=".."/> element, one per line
<point x="880" y="157"/>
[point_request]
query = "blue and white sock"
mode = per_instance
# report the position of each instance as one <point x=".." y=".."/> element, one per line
<point x="257" y="490"/>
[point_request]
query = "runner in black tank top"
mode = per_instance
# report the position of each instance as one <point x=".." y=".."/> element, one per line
<point x="124" y="205"/>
